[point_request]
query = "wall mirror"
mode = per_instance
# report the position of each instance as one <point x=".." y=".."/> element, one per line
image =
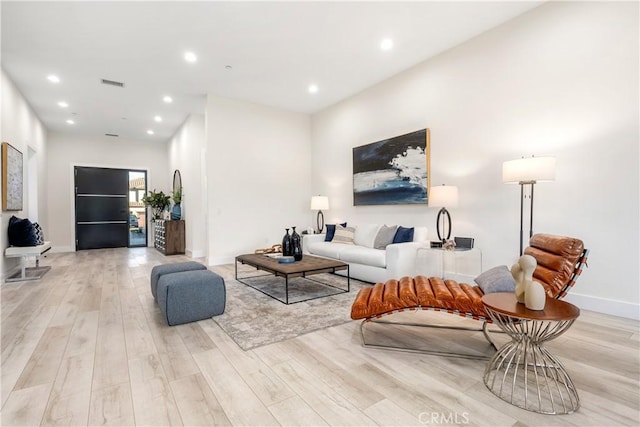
<point x="177" y="182"/>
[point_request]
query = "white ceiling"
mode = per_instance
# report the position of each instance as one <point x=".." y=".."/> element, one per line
<point x="276" y="49"/>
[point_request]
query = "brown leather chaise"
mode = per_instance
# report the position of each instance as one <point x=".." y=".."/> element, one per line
<point x="560" y="261"/>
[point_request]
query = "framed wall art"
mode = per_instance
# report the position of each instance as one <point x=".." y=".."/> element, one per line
<point x="393" y="171"/>
<point x="11" y="178"/>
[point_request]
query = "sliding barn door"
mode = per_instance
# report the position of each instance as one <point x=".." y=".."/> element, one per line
<point x="102" y="208"/>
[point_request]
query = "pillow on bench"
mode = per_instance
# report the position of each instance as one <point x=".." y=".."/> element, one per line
<point x="22" y="232"/>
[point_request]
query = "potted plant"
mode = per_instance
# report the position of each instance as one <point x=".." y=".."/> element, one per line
<point x="158" y="202"/>
<point x="176" y="212"/>
<point x="177" y="197"/>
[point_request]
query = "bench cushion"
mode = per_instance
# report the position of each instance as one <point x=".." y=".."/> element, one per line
<point x="20" y="251"/>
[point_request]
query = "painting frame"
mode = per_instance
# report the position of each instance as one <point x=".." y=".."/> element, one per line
<point x="12" y="178"/>
<point x="393" y="171"/>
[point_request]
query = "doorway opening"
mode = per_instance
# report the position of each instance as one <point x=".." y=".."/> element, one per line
<point x="137" y="210"/>
<point x="109" y="208"/>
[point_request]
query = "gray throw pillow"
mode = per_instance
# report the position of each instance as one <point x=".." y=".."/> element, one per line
<point x="497" y="279"/>
<point x="385" y="236"/>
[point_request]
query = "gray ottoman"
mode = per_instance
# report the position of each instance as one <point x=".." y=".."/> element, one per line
<point x="159" y="270"/>
<point x="189" y="296"/>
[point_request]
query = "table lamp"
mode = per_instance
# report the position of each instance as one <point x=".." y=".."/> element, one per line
<point x="320" y="203"/>
<point x="442" y="196"/>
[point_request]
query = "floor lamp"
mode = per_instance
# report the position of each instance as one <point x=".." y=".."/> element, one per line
<point x="442" y="196"/>
<point x="320" y="203"/>
<point x="528" y="171"/>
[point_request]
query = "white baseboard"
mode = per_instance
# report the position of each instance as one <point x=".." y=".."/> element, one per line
<point x="604" y="305"/>
<point x="220" y="260"/>
<point x="62" y="249"/>
<point x="196" y="254"/>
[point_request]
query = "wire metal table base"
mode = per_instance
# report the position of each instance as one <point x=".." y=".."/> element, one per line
<point x="524" y="373"/>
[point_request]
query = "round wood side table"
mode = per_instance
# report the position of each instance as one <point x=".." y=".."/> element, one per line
<point x="523" y="372"/>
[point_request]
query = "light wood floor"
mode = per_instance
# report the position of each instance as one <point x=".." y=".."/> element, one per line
<point x="87" y="346"/>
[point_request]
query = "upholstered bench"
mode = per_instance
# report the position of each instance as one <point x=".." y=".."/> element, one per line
<point x="189" y="295"/>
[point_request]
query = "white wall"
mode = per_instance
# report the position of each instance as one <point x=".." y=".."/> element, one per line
<point x="258" y="176"/>
<point x="66" y="151"/>
<point x="187" y="154"/>
<point x="23" y="130"/>
<point x="560" y="80"/>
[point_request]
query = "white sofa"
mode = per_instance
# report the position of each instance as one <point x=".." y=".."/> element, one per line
<point x="365" y="262"/>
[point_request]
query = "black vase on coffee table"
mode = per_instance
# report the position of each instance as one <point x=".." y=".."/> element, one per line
<point x="296" y="245"/>
<point x="287" y="249"/>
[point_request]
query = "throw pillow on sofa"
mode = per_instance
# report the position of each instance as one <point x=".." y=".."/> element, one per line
<point x="344" y="235"/>
<point x="21" y="232"/>
<point x="385" y="236"/>
<point x="403" y="235"/>
<point x="365" y="235"/>
<point x="331" y="230"/>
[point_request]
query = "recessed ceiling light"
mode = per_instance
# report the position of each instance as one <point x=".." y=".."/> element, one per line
<point x="70" y="122"/>
<point x="228" y="67"/>
<point x="150" y="132"/>
<point x="313" y="88"/>
<point x="63" y="104"/>
<point x="53" y="78"/>
<point x="190" y="57"/>
<point x="167" y="99"/>
<point x="157" y="119"/>
<point x="386" y="44"/>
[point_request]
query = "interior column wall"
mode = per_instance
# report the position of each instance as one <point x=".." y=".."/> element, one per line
<point x="22" y="128"/>
<point x="560" y="80"/>
<point x="258" y="176"/>
<point x="186" y="153"/>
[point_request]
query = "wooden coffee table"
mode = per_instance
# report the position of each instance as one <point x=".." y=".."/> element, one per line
<point x="309" y="265"/>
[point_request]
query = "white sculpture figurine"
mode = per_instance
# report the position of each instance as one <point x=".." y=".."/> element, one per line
<point x="528" y="292"/>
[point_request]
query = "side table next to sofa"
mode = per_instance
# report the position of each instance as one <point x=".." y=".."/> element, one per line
<point x="460" y="265"/>
<point x="523" y="372"/>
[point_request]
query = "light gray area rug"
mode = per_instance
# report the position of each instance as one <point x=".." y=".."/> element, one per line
<point x="253" y="319"/>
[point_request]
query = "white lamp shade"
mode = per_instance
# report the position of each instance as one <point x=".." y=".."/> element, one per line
<point x="319" y="203"/>
<point x="531" y="169"/>
<point x="443" y="196"/>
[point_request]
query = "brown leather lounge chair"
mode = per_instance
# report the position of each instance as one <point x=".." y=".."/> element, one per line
<point x="560" y="261"/>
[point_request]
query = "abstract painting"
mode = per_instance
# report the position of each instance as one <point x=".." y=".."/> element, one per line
<point x="393" y="171"/>
<point x="11" y="178"/>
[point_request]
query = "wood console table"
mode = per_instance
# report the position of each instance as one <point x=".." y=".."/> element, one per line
<point x="169" y="237"/>
<point x="523" y="372"/>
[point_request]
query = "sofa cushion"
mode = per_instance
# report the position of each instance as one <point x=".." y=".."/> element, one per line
<point x="331" y="230"/>
<point x="361" y="255"/>
<point x="366" y="234"/>
<point x="403" y="235"/>
<point x="385" y="236"/>
<point x="325" y="249"/>
<point x="420" y="234"/>
<point x="344" y="235"/>
<point x="497" y="279"/>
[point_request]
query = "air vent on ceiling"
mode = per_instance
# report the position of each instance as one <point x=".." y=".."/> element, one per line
<point x="111" y="134"/>
<point x="112" y="83"/>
